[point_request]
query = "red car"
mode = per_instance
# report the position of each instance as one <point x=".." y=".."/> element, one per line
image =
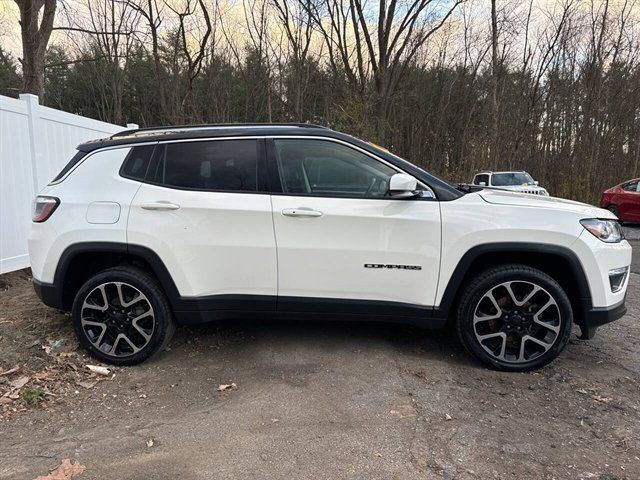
<point x="624" y="201"/>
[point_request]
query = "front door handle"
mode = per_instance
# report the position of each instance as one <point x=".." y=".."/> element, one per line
<point x="160" y="206"/>
<point x="301" y="212"/>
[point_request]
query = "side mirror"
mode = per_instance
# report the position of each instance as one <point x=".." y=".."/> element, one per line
<point x="536" y="182"/>
<point x="402" y="185"/>
<point x="482" y="184"/>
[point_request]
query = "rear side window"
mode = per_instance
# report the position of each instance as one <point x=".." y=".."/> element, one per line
<point x="72" y="163"/>
<point x="137" y="162"/>
<point x="221" y="165"/>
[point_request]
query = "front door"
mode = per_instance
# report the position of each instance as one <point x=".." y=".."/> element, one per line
<point x="340" y="237"/>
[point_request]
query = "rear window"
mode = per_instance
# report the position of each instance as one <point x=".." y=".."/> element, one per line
<point x="72" y="163"/>
<point x="220" y="165"/>
<point x="137" y="162"/>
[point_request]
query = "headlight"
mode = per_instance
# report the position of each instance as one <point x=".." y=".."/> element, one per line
<point x="608" y="231"/>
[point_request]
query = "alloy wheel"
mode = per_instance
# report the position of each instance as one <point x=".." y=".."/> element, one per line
<point x="517" y="321"/>
<point x="117" y="319"/>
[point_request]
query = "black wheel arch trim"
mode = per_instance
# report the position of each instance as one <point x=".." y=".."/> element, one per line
<point x="456" y="280"/>
<point x="52" y="294"/>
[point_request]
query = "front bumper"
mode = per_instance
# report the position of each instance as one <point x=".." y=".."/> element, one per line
<point x="593" y="317"/>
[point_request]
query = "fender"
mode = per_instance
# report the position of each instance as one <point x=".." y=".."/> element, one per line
<point x="474" y="253"/>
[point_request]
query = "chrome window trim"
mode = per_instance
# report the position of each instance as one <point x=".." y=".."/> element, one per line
<point x="103" y="149"/>
<point x="259" y="137"/>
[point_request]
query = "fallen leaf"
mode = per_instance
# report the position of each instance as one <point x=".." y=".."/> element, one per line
<point x="377" y="454"/>
<point x="87" y="385"/>
<point x="230" y="386"/>
<point x="601" y="399"/>
<point x="19" y="383"/>
<point x="10" y="371"/>
<point x="448" y="417"/>
<point x="65" y="471"/>
<point x="99" y="370"/>
<point x="150" y="443"/>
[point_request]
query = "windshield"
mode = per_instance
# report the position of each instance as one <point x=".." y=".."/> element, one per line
<point x="511" y="179"/>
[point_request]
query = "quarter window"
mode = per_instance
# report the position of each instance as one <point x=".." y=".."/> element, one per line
<point x="318" y="167"/>
<point x="222" y="165"/>
<point x="137" y="161"/>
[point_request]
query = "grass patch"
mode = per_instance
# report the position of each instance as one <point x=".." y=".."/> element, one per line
<point x="31" y="396"/>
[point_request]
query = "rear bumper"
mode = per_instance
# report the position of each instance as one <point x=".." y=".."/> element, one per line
<point x="594" y="317"/>
<point x="48" y="293"/>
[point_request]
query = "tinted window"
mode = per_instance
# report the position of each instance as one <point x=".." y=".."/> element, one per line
<point x="481" y="178"/>
<point x="330" y="169"/>
<point x="229" y="165"/>
<point x="137" y="161"/>
<point x="72" y="163"/>
<point x="511" y="179"/>
<point x="631" y="187"/>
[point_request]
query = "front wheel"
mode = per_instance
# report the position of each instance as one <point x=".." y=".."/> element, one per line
<point x="121" y="316"/>
<point x="514" y="318"/>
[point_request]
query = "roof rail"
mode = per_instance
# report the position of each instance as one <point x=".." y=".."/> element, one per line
<point x="174" y="128"/>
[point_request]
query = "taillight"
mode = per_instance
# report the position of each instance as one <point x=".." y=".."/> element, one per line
<point x="43" y="208"/>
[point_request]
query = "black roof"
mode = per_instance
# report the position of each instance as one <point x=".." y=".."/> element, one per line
<point x="180" y="132"/>
<point x="443" y="190"/>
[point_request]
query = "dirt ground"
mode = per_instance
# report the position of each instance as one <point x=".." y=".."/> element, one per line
<point x="313" y="400"/>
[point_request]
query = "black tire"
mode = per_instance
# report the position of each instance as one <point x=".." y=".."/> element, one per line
<point x="511" y="317"/>
<point x="157" y="336"/>
<point x="613" y="209"/>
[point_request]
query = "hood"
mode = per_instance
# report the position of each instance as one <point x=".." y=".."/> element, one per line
<point x="503" y="197"/>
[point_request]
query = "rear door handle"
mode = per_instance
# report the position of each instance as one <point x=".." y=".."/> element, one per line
<point x="301" y="212"/>
<point x="160" y="206"/>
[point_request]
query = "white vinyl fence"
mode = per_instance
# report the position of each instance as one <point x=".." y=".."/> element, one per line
<point x="35" y="143"/>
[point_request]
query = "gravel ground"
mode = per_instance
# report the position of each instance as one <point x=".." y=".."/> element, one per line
<point x="632" y="232"/>
<point x="315" y="400"/>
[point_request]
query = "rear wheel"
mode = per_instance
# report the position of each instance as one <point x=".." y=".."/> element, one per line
<point x="514" y="318"/>
<point x="121" y="316"/>
<point x="613" y="209"/>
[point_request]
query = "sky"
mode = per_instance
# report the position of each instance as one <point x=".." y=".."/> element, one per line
<point x="475" y="15"/>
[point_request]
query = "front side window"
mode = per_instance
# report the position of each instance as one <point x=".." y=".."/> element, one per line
<point x="511" y="179"/>
<point x="632" y="187"/>
<point x="324" y="168"/>
<point x="221" y="165"/>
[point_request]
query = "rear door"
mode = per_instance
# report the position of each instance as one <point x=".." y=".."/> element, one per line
<point x="204" y="211"/>
<point x="342" y="239"/>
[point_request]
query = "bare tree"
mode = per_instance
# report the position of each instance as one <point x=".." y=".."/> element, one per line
<point x="36" y="23"/>
<point x="297" y="25"/>
<point x="386" y="42"/>
<point x="194" y="57"/>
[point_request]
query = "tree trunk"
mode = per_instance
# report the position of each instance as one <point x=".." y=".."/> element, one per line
<point x="35" y="37"/>
<point x="494" y="87"/>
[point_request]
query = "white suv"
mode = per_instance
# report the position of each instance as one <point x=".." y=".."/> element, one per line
<point x="519" y="181"/>
<point x="189" y="224"/>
